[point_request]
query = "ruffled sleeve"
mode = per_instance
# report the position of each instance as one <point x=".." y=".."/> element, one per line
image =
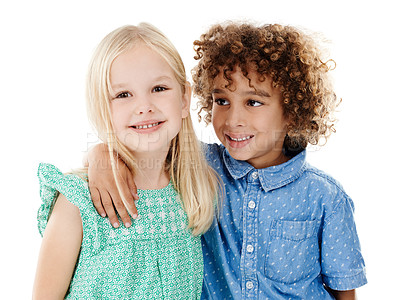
<point x="53" y="182"/>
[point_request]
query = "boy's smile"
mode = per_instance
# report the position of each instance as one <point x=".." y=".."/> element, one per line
<point x="238" y="140"/>
<point x="249" y="120"/>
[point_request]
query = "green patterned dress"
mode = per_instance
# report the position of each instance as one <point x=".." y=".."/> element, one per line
<point x="156" y="258"/>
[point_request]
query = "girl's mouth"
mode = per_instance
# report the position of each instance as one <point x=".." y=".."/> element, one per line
<point x="146" y="126"/>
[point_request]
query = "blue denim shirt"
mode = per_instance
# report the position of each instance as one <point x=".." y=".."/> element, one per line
<point x="282" y="233"/>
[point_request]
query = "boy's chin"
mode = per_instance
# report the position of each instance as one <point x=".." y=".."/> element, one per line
<point x="238" y="154"/>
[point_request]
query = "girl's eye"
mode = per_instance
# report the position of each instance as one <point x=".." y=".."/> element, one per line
<point x="221" y="101"/>
<point x="124" y="95"/>
<point x="254" y="103"/>
<point x="158" y="89"/>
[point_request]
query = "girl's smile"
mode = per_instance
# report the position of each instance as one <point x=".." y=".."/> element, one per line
<point x="147" y="126"/>
<point x="147" y="103"/>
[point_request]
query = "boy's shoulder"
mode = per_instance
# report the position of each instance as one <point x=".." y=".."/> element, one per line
<point x="305" y="172"/>
<point x="323" y="181"/>
<point x="212" y="149"/>
<point x="213" y="152"/>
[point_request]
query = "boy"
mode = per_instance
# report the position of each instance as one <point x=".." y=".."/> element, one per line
<point x="285" y="229"/>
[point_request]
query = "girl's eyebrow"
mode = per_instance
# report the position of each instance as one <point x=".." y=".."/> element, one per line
<point x="124" y="85"/>
<point x="163" y="77"/>
<point x="118" y="86"/>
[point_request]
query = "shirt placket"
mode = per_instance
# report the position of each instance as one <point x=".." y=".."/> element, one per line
<point x="249" y="247"/>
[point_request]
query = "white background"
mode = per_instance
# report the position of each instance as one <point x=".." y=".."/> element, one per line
<point x="44" y="52"/>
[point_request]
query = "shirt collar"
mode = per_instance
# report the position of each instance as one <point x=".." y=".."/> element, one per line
<point x="271" y="177"/>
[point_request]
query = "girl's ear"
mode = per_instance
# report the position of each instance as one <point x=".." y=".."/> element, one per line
<point x="186" y="97"/>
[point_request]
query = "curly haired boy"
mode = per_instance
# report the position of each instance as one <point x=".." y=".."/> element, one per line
<point x="285" y="229"/>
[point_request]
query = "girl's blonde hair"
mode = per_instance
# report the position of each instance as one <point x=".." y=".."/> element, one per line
<point x="196" y="183"/>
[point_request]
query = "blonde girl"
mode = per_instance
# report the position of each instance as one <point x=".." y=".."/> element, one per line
<point x="138" y="101"/>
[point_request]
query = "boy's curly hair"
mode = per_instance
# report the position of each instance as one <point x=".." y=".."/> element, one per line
<point x="290" y="57"/>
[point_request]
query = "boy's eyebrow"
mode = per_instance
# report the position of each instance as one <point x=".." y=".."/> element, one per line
<point x="217" y="91"/>
<point x="260" y="93"/>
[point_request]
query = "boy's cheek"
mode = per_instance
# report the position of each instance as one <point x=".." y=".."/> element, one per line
<point x="217" y="120"/>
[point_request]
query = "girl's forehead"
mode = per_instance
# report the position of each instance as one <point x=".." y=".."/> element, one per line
<point x="140" y="58"/>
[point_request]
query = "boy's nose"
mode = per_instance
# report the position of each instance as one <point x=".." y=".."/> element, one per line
<point x="235" y="117"/>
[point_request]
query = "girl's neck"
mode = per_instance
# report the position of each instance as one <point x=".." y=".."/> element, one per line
<point x="151" y="173"/>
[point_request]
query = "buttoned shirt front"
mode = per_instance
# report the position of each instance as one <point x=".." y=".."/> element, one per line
<point x="282" y="233"/>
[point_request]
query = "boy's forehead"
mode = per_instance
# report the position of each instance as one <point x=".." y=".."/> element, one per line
<point x="238" y="77"/>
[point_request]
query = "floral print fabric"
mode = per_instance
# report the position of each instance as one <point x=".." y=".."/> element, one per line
<point x="156" y="258"/>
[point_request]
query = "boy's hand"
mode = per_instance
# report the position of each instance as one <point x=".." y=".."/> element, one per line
<point x="104" y="191"/>
<point x="343" y="295"/>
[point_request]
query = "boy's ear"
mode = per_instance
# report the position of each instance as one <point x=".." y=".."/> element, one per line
<point x="186" y="97"/>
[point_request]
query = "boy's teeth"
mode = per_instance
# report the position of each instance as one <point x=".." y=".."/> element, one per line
<point x="146" y="126"/>
<point x="241" y="139"/>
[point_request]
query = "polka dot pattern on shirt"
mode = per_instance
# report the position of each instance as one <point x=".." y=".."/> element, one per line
<point x="283" y="233"/>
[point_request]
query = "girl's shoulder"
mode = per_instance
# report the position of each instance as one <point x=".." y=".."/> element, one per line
<point x="72" y="186"/>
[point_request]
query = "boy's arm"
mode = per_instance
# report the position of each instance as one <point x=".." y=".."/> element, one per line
<point x="344" y="295"/>
<point x="104" y="191"/>
<point x="59" y="252"/>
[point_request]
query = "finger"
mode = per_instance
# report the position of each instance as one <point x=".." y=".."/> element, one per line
<point x="94" y="193"/>
<point x="109" y="208"/>
<point x="128" y="186"/>
<point x="129" y="197"/>
<point x="132" y="186"/>
<point x="128" y="202"/>
<point x="121" y="209"/>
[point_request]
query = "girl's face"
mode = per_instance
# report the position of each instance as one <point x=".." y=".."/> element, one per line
<point x="249" y="121"/>
<point x="147" y="102"/>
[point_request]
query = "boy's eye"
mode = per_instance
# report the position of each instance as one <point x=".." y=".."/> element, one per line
<point x="124" y="95"/>
<point x="221" y="101"/>
<point x="158" y="89"/>
<point x="254" y="103"/>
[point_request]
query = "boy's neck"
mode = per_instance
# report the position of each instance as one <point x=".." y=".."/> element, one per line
<point x="273" y="160"/>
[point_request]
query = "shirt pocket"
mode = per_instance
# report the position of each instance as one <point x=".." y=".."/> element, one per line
<point x="293" y="251"/>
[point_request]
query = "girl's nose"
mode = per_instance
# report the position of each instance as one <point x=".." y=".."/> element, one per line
<point x="144" y="105"/>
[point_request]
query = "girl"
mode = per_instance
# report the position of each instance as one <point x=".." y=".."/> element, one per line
<point x="138" y="100"/>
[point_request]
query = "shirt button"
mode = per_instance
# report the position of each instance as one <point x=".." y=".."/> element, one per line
<point x="254" y="175"/>
<point x="250" y="248"/>
<point x="249" y="285"/>
<point x="252" y="204"/>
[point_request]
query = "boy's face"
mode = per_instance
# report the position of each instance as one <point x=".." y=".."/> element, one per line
<point x="248" y="120"/>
